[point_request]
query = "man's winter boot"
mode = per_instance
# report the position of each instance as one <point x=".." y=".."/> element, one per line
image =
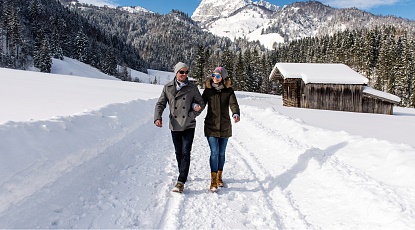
<point x="214" y="182"/>
<point x="179" y="187"/>
<point x="220" y="181"/>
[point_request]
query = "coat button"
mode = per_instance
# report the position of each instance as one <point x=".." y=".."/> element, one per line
<point x="175" y="107"/>
<point x="183" y="116"/>
<point x="184" y="98"/>
<point x="184" y="107"/>
<point x="175" y="116"/>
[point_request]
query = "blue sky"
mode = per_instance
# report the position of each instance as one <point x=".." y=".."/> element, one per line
<point x="400" y="8"/>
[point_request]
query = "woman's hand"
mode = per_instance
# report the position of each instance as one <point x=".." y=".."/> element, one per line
<point x="197" y="108"/>
<point x="236" y="119"/>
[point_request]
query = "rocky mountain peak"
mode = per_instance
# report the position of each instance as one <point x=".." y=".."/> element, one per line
<point x="212" y="9"/>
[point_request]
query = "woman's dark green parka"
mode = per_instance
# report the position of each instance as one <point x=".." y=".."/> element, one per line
<point x="218" y="121"/>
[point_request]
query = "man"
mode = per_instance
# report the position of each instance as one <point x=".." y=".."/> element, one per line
<point x="185" y="103"/>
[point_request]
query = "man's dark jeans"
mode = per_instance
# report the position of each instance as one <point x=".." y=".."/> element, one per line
<point x="183" y="141"/>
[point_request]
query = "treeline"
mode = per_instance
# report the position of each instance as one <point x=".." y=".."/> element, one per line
<point x="386" y="56"/>
<point x="248" y="68"/>
<point x="32" y="32"/>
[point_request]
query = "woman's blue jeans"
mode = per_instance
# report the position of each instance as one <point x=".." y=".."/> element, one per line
<point x="217" y="152"/>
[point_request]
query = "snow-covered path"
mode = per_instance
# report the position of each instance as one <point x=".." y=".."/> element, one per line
<point x="280" y="174"/>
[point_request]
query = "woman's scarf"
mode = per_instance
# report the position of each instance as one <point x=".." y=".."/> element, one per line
<point x="218" y="86"/>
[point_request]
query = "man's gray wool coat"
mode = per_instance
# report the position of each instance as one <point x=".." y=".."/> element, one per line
<point x="182" y="116"/>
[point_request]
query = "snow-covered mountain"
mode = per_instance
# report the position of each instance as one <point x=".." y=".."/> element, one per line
<point x="135" y="9"/>
<point x="268" y="23"/>
<point x="211" y="9"/>
<point x="247" y="21"/>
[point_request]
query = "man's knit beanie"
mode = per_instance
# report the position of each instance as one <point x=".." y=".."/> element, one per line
<point x="178" y="66"/>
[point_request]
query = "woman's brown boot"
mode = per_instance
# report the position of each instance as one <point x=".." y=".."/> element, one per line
<point x="220" y="181"/>
<point x="214" y="182"/>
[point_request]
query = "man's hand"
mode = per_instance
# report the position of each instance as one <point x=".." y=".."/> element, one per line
<point x="236" y="119"/>
<point x="158" y="123"/>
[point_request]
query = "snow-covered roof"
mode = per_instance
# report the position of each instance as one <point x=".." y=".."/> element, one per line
<point x="381" y="94"/>
<point x="320" y="73"/>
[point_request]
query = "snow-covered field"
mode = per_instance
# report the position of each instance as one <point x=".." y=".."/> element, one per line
<point x="79" y="152"/>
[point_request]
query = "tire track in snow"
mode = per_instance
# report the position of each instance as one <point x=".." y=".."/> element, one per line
<point x="281" y="203"/>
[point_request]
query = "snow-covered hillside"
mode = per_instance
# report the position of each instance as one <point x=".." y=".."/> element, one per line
<point x="79" y="152"/>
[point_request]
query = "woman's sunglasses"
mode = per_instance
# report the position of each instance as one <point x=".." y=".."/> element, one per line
<point x="184" y="72"/>
<point x="216" y="75"/>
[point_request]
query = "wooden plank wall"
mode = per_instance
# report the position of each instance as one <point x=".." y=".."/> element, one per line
<point x="376" y="105"/>
<point x="291" y="92"/>
<point x="339" y="97"/>
<point x="332" y="97"/>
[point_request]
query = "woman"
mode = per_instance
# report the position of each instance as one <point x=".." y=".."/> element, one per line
<point x="219" y="97"/>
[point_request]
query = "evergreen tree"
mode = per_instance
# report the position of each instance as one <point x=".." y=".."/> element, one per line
<point x="110" y="63"/>
<point x="411" y="73"/>
<point x="198" y="67"/>
<point x="227" y="61"/>
<point x="125" y="75"/>
<point x="45" y="60"/>
<point x="370" y="54"/>
<point x="265" y="83"/>
<point x="257" y="72"/>
<point x="55" y="38"/>
<point x="406" y="74"/>
<point x="211" y="62"/>
<point x="13" y="38"/>
<point x="247" y="74"/>
<point x="239" y="81"/>
<point x="36" y="15"/>
<point x="37" y="50"/>
<point x="81" y="45"/>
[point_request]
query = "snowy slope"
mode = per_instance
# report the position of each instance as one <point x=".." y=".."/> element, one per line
<point x="100" y="162"/>
<point x="69" y="66"/>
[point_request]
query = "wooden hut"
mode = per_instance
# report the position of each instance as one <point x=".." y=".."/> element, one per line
<point x="330" y="87"/>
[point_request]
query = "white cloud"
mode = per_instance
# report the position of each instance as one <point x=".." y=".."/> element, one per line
<point x="361" y="4"/>
<point x="109" y="3"/>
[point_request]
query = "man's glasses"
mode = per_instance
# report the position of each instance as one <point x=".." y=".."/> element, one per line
<point x="216" y="75"/>
<point x="184" y="72"/>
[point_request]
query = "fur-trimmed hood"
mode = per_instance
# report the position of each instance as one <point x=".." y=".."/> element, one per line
<point x="227" y="83"/>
